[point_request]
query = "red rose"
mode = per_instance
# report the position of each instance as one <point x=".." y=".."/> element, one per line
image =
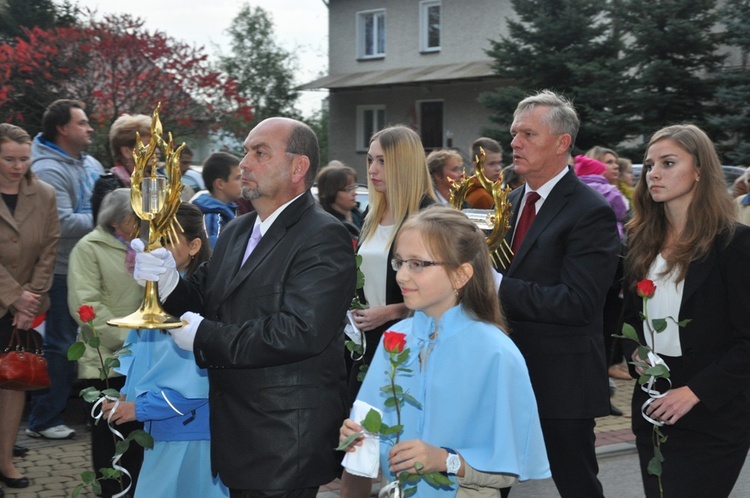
<point x="646" y="288"/>
<point x="86" y="313"/>
<point x="394" y="342"/>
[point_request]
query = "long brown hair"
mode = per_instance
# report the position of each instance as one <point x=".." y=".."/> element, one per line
<point x="453" y="239"/>
<point x="710" y="213"/>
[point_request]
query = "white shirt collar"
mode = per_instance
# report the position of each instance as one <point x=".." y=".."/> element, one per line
<point x="545" y="189"/>
<point x="266" y="224"/>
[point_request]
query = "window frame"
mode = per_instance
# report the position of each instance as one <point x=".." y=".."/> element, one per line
<point x="424" y="26"/>
<point x="362" y="141"/>
<point x="362" y="16"/>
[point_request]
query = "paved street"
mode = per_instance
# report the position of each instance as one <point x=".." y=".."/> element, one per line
<point x="54" y="467"/>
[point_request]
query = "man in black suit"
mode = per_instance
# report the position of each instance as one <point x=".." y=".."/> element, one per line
<point x="554" y="289"/>
<point x="267" y="323"/>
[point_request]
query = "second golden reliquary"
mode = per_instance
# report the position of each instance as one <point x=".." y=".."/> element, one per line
<point x="155" y="199"/>
<point x="494" y="222"/>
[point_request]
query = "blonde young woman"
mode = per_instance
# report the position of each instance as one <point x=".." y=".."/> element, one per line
<point x="684" y="237"/>
<point x="399" y="185"/>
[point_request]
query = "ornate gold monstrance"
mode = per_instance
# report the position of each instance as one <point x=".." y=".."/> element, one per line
<point x="155" y="199"/>
<point x="497" y="221"/>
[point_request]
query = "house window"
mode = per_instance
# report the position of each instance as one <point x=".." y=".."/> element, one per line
<point x="430" y="25"/>
<point x="371" y="29"/>
<point x="431" y="124"/>
<point x="370" y="119"/>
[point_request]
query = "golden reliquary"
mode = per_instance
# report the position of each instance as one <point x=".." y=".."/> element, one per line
<point x="493" y="222"/>
<point x="155" y="199"/>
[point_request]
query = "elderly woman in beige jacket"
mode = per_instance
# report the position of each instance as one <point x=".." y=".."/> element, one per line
<point x="100" y="275"/>
<point x="29" y="232"/>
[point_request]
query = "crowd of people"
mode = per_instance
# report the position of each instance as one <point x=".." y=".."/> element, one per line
<point x="485" y="376"/>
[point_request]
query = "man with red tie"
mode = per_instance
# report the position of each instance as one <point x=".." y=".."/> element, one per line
<point x="564" y="237"/>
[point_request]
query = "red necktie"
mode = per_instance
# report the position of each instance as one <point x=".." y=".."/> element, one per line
<point x="524" y="221"/>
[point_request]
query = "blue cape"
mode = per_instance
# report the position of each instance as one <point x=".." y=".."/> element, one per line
<point x="158" y="363"/>
<point x="475" y="393"/>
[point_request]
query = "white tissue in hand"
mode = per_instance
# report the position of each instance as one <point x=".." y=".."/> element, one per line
<point x="365" y="460"/>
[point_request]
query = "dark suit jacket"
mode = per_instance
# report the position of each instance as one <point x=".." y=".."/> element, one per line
<point x="553" y="294"/>
<point x="272" y="340"/>
<point x="716" y="341"/>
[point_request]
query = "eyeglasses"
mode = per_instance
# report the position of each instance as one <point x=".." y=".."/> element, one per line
<point x="349" y="189"/>
<point x="414" y="265"/>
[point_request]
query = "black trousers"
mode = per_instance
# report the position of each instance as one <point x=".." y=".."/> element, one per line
<point x="274" y="493"/>
<point x="571" y="450"/>
<point x="103" y="446"/>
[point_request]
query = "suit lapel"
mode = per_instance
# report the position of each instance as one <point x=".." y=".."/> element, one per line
<point x="267" y="243"/>
<point x="552" y="206"/>
<point x="24" y="207"/>
<point x="698" y="272"/>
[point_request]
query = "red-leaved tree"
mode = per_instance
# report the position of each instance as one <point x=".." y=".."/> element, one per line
<point x="117" y="66"/>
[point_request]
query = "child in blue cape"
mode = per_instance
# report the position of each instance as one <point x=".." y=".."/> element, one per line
<point x="167" y="391"/>
<point x="478" y="422"/>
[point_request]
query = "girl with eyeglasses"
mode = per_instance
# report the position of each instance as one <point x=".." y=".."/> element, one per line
<point x="478" y="420"/>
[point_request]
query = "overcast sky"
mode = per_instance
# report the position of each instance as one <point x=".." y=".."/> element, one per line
<point x="301" y="26"/>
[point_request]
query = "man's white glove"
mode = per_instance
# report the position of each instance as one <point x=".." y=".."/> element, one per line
<point x="155" y="266"/>
<point x="184" y="337"/>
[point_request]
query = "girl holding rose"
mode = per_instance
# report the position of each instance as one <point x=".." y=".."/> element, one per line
<point x="476" y="417"/>
<point x="684" y="239"/>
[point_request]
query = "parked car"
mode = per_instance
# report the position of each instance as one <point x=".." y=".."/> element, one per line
<point x="731" y="173"/>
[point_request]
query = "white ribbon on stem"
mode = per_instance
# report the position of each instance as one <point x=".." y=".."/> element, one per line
<point x="97" y="414"/>
<point x="654" y="393"/>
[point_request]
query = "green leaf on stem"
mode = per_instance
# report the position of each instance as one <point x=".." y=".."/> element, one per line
<point x="683" y="323"/>
<point x="348" y="441"/>
<point x="404" y="370"/>
<point x="409" y="478"/>
<point x="629" y="332"/>
<point x="418" y="466"/>
<point x="110" y="473"/>
<point x="393" y="429"/>
<point x="410" y="492"/>
<point x="437" y="479"/>
<point x="96" y="487"/>
<point x="654" y="467"/>
<point x="95" y="342"/>
<point x="658" y="371"/>
<point x="142" y="438"/>
<point x="112" y="393"/>
<point x="372" y="421"/>
<point x="659" y="324"/>
<point x="90" y="394"/>
<point x="388" y="389"/>
<point x="122" y="446"/>
<point x="390" y="402"/>
<point x="643" y="351"/>
<point x="88" y="476"/>
<point x="412" y="400"/>
<point x="76" y="350"/>
<point x="643" y="379"/>
<point x="76" y="491"/>
<point x="403" y="356"/>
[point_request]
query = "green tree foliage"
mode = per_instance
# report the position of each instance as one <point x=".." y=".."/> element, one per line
<point x="567" y="46"/>
<point x="672" y="56"/>
<point x="45" y="14"/>
<point x="264" y="70"/>
<point x="733" y="91"/>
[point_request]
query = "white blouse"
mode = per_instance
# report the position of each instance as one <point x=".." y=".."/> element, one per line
<point x="666" y="302"/>
<point x="374" y="252"/>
